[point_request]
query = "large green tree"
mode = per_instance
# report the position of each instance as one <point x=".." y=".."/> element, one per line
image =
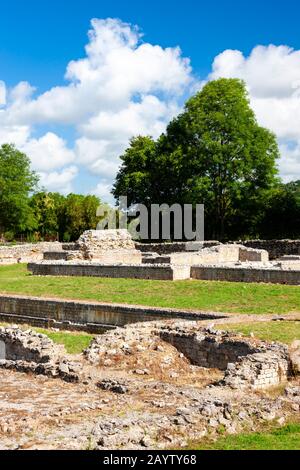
<point x="213" y="153"/>
<point x="17" y="180"/>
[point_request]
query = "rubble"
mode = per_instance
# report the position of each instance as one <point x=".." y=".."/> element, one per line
<point x="29" y="351"/>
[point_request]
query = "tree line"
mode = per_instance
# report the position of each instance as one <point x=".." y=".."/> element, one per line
<point x="31" y="214"/>
<point x="214" y="153"/>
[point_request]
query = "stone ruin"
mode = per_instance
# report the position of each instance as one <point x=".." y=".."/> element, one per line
<point x="29" y="351"/>
<point x="146" y="385"/>
<point x="246" y="362"/>
<point x="108" y="247"/>
<point x="113" y="254"/>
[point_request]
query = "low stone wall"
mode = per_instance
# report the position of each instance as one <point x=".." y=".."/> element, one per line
<point x="253" y="255"/>
<point x="32" y="352"/>
<point x="276" y="248"/>
<point x="94" y="317"/>
<point x="28" y="346"/>
<point x="29" y="252"/>
<point x="208" y="349"/>
<point x="244" y="274"/>
<point x="156" y="272"/>
<point x="261" y="370"/>
<point x="247" y="363"/>
<point x="175" y="247"/>
<point x="213" y="255"/>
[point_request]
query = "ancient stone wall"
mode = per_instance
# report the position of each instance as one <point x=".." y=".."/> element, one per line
<point x="175" y="247"/>
<point x="253" y="255"/>
<point x="276" y="248"/>
<point x="28" y="346"/>
<point x="208" y="349"/>
<point x="261" y="370"/>
<point x="31" y="352"/>
<point x="88" y="316"/>
<point x="108" y="247"/>
<point x="246" y="274"/>
<point x="246" y="363"/>
<point x="29" y="252"/>
<point x="212" y="255"/>
<point x="158" y="272"/>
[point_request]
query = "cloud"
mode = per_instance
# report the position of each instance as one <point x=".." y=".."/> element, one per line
<point x="122" y="87"/>
<point x="103" y="191"/>
<point x="289" y="164"/>
<point x="2" y="93"/>
<point x="272" y="75"/>
<point x="17" y="135"/>
<point x="60" y="181"/>
<point x="48" y="152"/>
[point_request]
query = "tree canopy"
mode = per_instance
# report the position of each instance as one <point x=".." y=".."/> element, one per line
<point x="213" y="153"/>
<point x="17" y="181"/>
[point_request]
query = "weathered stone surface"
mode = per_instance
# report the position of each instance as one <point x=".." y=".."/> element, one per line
<point x="295" y="357"/>
<point x="108" y="246"/>
<point x="248" y="363"/>
<point x="114" y="386"/>
<point x="275" y="248"/>
<point x="113" y="408"/>
<point x="28" y="351"/>
<point x="246" y="273"/>
<point x="28" y="252"/>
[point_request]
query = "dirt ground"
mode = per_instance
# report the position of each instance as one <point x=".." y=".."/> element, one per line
<point x="148" y="396"/>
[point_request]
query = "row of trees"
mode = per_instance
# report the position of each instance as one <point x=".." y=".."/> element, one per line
<point x="38" y="215"/>
<point x="215" y="153"/>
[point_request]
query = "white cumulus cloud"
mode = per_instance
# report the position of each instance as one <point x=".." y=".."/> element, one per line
<point x="48" y="152"/>
<point x="122" y="87"/>
<point x="60" y="181"/>
<point x="272" y="75"/>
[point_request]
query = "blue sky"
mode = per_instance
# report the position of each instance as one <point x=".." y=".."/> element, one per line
<point x="38" y="39"/>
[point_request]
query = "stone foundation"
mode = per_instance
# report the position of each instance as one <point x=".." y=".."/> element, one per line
<point x="108" y="247"/>
<point x="208" y="348"/>
<point x="246" y="274"/>
<point x="31" y="352"/>
<point x="261" y="370"/>
<point x="246" y="362"/>
<point x="156" y="272"/>
<point x="94" y="317"/>
<point x="275" y="248"/>
<point x="29" y="252"/>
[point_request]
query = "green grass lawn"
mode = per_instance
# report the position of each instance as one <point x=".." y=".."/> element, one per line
<point x="202" y="295"/>
<point x="74" y="343"/>
<point x="285" y="332"/>
<point x="284" y="438"/>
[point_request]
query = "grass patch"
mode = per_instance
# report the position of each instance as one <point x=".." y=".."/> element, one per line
<point x="202" y="295"/>
<point x="283" y="331"/>
<point x="284" y="438"/>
